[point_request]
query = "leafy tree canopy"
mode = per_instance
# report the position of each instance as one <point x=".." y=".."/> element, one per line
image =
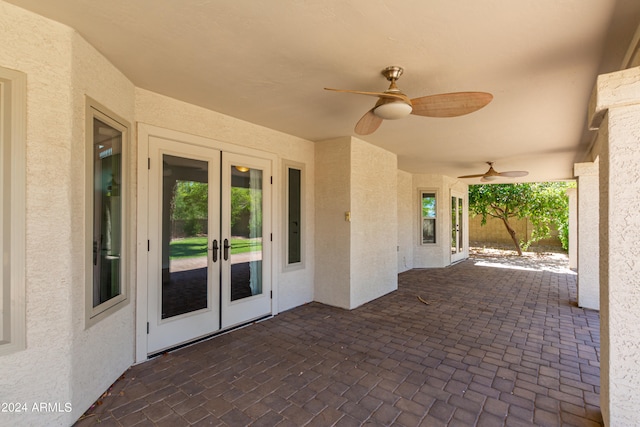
<point x="544" y="203"/>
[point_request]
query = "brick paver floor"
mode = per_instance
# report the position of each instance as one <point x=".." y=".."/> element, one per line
<point x="490" y="347"/>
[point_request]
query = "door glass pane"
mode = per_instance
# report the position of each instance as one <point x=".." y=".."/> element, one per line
<point x="454" y="225"/>
<point x="460" y="245"/>
<point x="107" y="211"/>
<point x="246" y="232"/>
<point x="185" y="215"/>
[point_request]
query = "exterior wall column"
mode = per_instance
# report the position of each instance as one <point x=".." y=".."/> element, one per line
<point x="572" y="193"/>
<point x="588" y="216"/>
<point x="615" y="111"/>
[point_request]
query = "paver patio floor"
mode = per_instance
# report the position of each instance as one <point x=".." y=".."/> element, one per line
<point x="499" y="343"/>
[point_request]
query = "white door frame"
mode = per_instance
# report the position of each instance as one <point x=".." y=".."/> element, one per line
<point x="164" y="332"/>
<point x="465" y="225"/>
<point x="145" y="131"/>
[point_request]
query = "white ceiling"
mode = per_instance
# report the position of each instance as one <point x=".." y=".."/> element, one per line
<point x="267" y="62"/>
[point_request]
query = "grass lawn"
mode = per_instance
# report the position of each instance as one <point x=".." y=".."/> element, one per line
<point x="194" y="247"/>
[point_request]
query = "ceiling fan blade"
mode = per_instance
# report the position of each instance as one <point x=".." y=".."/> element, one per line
<point x="450" y="104"/>
<point x="368" y="123"/>
<point x="513" y="174"/>
<point x="472" y="176"/>
<point x="378" y="94"/>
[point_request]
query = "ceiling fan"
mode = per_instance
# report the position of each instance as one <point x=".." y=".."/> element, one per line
<point x="393" y="104"/>
<point x="492" y="174"/>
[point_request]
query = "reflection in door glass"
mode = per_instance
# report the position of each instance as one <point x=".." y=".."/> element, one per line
<point x="185" y="216"/>
<point x="460" y="242"/>
<point x="454" y="225"/>
<point x="246" y="232"/>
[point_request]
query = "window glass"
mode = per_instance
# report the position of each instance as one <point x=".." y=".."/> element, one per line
<point x="428" y="204"/>
<point x="294" y="219"/>
<point x="107" y="212"/>
<point x="106" y="225"/>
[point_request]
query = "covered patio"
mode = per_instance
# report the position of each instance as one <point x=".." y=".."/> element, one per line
<point x="486" y="342"/>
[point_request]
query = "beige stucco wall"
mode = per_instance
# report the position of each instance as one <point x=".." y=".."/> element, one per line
<point x="39" y="373"/>
<point x="356" y="259"/>
<point x="588" y="238"/>
<point x="615" y="112"/>
<point x="333" y="232"/>
<point x="374" y="226"/>
<point x="103" y="351"/>
<point x="63" y="361"/>
<point x="407" y="221"/>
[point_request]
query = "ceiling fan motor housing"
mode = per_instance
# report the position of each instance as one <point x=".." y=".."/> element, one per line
<point x="392" y="109"/>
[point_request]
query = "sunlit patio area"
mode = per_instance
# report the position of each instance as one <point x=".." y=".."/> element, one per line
<point x="489" y="341"/>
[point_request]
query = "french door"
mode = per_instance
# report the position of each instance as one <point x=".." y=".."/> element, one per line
<point x="457" y="227"/>
<point x="208" y="264"/>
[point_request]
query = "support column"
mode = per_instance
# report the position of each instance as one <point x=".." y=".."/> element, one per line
<point x="588" y="235"/>
<point x="572" y="193"/>
<point x="615" y="112"/>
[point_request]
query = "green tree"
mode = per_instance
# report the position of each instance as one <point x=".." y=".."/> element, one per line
<point x="240" y="204"/>
<point x="190" y="205"/>
<point x="544" y="203"/>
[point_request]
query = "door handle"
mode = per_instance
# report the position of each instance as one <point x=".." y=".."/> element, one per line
<point x="226" y="249"/>
<point x="214" y="247"/>
<point x="95" y="252"/>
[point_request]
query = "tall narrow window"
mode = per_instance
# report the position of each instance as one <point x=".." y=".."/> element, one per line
<point x="107" y="145"/>
<point x="294" y="193"/>
<point x="428" y="209"/>
<point x="12" y="210"/>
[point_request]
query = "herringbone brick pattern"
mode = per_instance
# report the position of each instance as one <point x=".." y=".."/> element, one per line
<point x="493" y="347"/>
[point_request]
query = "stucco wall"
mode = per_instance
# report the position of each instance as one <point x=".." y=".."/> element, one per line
<point x="588" y="238"/>
<point x="42" y="49"/>
<point x="103" y="351"/>
<point x="294" y="287"/>
<point x="333" y="232"/>
<point x="614" y="110"/>
<point x="619" y="273"/>
<point x="63" y="362"/>
<point x="407" y="221"/>
<point x="374" y="231"/>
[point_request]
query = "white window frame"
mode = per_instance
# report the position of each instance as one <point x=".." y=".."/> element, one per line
<point x="288" y="164"/>
<point x="95" y="110"/>
<point x="13" y="113"/>
<point x="421" y="194"/>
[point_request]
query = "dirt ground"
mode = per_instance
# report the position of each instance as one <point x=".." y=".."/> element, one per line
<point x="543" y="260"/>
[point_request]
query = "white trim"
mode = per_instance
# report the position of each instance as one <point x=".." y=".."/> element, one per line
<point x="453" y="258"/>
<point x="14" y="100"/>
<point x="95" y="110"/>
<point x="435" y="192"/>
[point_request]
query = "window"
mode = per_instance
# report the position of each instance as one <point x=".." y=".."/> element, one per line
<point x="428" y="215"/>
<point x="294" y="177"/>
<point x="107" y="140"/>
<point x="13" y="95"/>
